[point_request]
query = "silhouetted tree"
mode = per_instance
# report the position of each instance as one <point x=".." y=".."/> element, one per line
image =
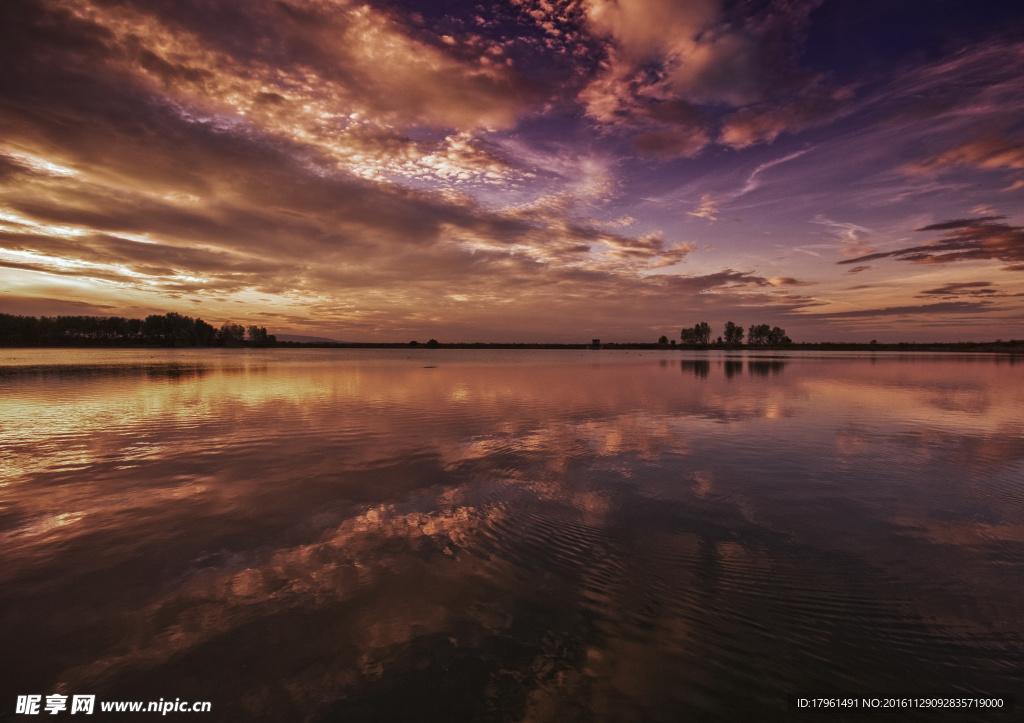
<point x="763" y="335"/>
<point x="258" y="336"/>
<point x="777" y="337"/>
<point x="182" y="329"/>
<point x="757" y="335"/>
<point x="170" y="329"/>
<point x="132" y="330"/>
<point x="663" y="339"/>
<point x="699" y="334"/>
<point x="231" y="334"/>
<point x="433" y="343"/>
<point x="18" y="330"/>
<point x="206" y="335"/>
<point x="155" y="331"/>
<point x="733" y="333"/>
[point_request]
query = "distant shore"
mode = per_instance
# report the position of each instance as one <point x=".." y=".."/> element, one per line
<point x="998" y="347"/>
<point x="172" y="330"/>
<point x="1014" y="347"/>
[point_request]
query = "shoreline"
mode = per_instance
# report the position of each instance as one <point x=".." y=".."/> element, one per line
<point x="998" y="347"/>
<point x="1013" y="347"/>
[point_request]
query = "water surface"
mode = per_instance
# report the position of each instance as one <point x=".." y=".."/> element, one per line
<point x="509" y="535"/>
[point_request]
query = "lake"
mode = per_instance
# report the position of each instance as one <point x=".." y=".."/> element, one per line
<point x="367" y="535"/>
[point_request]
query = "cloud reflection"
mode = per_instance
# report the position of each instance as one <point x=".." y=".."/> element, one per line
<point x="585" y="518"/>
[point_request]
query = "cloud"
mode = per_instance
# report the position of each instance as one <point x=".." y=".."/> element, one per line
<point x="786" y="281"/>
<point x="708" y="52"/>
<point x="967" y="239"/>
<point x="246" y="149"/>
<point x="966" y="288"/>
<point x="342" y="80"/>
<point x="765" y="122"/>
<point x="725" y="279"/>
<point x="380" y="174"/>
<point x="944" y="308"/>
<point x="664" y="55"/>
<point x="707" y="208"/>
<point x="29" y="306"/>
<point x="858" y="269"/>
<point x="622" y="97"/>
<point x="677" y="143"/>
<point x="849" y="234"/>
<point x="158" y="207"/>
<point x="992" y="151"/>
<point x="710" y="203"/>
<point x="753" y="181"/>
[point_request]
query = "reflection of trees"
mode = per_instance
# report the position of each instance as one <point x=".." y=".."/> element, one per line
<point x="50" y="374"/>
<point x="698" y="367"/>
<point x="763" y="368"/>
<point x="755" y="367"/>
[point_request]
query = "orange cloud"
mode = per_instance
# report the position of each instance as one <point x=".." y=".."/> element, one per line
<point x="991" y="151"/>
<point x="344" y="80"/>
<point x="707" y="208"/>
<point x="765" y="123"/>
<point x="700" y="56"/>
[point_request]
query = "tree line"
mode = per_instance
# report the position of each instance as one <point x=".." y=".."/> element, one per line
<point x="172" y="329"/>
<point x="757" y="335"/>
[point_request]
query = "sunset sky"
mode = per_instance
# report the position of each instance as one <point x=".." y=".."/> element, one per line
<point x="518" y="170"/>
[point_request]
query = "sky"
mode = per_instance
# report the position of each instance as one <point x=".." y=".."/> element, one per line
<point x="518" y="170"/>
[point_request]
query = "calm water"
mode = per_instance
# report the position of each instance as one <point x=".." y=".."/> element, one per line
<point x="319" y="535"/>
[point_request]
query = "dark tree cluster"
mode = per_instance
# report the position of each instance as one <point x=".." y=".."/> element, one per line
<point x="699" y="334"/>
<point x="757" y="335"/>
<point x="733" y="333"/>
<point x="763" y="335"/>
<point x="172" y="330"/>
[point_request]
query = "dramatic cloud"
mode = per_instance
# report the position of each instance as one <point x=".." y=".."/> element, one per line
<point x="668" y="55"/>
<point x="969" y="239"/>
<point x="706" y="53"/>
<point x="766" y="122"/>
<point x="341" y="80"/>
<point x="528" y="170"/>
